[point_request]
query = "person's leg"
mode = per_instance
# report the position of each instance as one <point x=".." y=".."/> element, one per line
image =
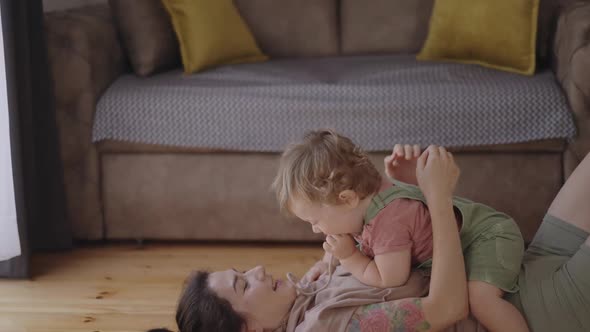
<point x="571" y="203"/>
<point x="566" y="225"/>
<point x="491" y="310"/>
<point x="556" y="288"/>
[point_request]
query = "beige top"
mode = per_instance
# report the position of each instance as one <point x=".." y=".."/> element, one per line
<point x="332" y="308"/>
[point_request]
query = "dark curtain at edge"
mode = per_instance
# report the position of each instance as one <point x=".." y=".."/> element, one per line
<point x="38" y="177"/>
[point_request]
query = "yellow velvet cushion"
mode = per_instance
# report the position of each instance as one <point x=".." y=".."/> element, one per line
<point x="211" y="33"/>
<point x="499" y="34"/>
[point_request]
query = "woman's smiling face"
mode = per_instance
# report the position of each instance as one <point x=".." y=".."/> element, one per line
<point x="260" y="299"/>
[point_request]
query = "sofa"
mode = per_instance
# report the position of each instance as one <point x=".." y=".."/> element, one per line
<point x="120" y="188"/>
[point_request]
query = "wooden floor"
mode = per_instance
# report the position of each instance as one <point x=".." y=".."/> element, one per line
<point x="126" y="287"/>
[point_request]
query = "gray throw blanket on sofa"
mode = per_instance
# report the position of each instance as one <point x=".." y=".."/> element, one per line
<point x="376" y="100"/>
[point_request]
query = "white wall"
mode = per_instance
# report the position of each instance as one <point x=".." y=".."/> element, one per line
<point x="50" y="5"/>
<point x="9" y="241"/>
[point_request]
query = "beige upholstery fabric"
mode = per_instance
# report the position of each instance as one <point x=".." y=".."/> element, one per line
<point x="84" y="58"/>
<point x="293" y="27"/>
<point x="208" y="196"/>
<point x="147" y="35"/>
<point x="572" y="65"/>
<point x="194" y="196"/>
<point x="384" y="26"/>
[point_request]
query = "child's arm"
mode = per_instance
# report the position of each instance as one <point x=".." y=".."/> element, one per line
<point x="386" y="270"/>
<point x="401" y="164"/>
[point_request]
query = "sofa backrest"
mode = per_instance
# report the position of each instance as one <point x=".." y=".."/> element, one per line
<point x="331" y="27"/>
<point x="293" y="27"/>
<point x="383" y="26"/>
<point x="401" y="26"/>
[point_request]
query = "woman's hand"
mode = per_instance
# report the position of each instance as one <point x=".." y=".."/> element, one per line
<point x="340" y="246"/>
<point x="437" y="174"/>
<point x="319" y="268"/>
<point x="401" y="164"/>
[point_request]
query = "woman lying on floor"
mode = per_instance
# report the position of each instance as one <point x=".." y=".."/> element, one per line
<point x="554" y="281"/>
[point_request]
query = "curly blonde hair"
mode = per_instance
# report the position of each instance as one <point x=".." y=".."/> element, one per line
<point x="320" y="167"/>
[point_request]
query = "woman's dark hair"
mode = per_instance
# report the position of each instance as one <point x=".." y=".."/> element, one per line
<point x="200" y="309"/>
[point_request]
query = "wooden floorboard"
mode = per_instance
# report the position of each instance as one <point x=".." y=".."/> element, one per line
<point x="126" y="288"/>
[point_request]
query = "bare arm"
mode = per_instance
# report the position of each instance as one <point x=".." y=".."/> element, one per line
<point x="446" y="302"/>
<point x="386" y="270"/>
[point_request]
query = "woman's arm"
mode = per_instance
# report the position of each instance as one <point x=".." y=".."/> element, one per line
<point x="447" y="301"/>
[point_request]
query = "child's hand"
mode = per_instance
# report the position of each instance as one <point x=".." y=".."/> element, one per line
<point x="401" y="164"/>
<point x="437" y="173"/>
<point x="340" y="246"/>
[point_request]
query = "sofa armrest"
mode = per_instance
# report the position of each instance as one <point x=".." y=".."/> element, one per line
<point x="84" y="52"/>
<point x="85" y="57"/>
<point x="572" y="67"/>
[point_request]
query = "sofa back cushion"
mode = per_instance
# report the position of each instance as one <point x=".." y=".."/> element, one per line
<point x="211" y="33"/>
<point x="384" y="26"/>
<point x="499" y="34"/>
<point x="293" y="27"/>
<point x="146" y="35"/>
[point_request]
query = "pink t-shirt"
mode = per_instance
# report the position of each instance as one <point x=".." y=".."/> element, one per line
<point x="401" y="224"/>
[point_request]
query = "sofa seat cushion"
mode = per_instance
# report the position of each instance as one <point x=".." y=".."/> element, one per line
<point x="377" y="100"/>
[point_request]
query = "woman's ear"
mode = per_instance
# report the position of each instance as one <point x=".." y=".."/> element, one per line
<point x="349" y="197"/>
